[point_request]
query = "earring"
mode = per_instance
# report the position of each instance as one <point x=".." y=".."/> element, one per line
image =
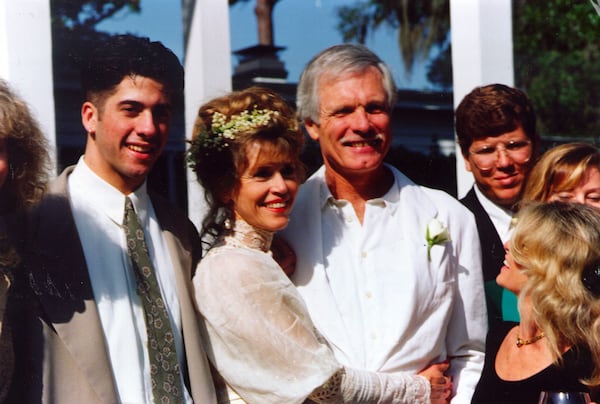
<point x="11" y="172"/>
<point x="228" y="222"/>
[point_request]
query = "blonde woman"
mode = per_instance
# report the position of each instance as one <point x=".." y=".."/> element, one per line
<point x="553" y="265"/>
<point x="567" y="173"/>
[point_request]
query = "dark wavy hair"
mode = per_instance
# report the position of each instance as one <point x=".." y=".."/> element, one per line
<point x="27" y="153"/>
<point x="219" y="164"/>
<point x="128" y="55"/>
<point x="492" y="110"/>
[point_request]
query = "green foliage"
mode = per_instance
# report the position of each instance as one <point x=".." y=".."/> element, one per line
<point x="421" y="24"/>
<point x="85" y="14"/>
<point x="556" y="62"/>
<point x="439" y="70"/>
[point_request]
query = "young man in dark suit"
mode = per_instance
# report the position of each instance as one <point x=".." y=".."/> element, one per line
<point x="496" y="129"/>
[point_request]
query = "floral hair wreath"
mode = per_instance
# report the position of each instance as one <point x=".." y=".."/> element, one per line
<point x="223" y="130"/>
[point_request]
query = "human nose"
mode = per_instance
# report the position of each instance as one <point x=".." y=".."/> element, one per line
<point x="146" y="124"/>
<point x="360" y="121"/>
<point x="507" y="245"/>
<point x="578" y="198"/>
<point x="278" y="184"/>
<point x="503" y="158"/>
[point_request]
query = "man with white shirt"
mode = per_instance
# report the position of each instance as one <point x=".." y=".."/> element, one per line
<point x="496" y="130"/>
<point x="93" y="322"/>
<point x="383" y="282"/>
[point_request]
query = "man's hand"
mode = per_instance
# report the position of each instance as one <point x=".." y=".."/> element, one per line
<point x="441" y="385"/>
<point x="284" y="255"/>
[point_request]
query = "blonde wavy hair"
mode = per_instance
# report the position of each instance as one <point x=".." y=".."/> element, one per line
<point x="561" y="168"/>
<point x="27" y="152"/>
<point x="555" y="243"/>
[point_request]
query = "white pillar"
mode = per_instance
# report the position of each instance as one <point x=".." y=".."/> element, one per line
<point x="26" y="59"/>
<point x="482" y="53"/>
<point x="207" y="75"/>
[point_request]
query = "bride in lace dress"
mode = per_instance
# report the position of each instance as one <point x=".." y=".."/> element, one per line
<point x="258" y="333"/>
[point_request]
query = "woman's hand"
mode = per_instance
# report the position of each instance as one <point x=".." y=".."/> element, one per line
<point x="441" y="385"/>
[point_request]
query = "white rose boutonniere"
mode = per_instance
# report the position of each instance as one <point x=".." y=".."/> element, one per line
<point x="435" y="234"/>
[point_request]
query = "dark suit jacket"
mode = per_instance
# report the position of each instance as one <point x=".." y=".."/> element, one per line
<point x="492" y="253"/>
<point x="59" y="344"/>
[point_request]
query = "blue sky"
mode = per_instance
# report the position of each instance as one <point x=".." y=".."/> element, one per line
<point x="303" y="27"/>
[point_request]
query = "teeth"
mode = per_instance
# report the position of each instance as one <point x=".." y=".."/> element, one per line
<point x="277" y="205"/>
<point x="365" y="143"/>
<point x="139" y="149"/>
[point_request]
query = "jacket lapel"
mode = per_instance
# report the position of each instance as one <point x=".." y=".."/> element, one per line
<point x="59" y="278"/>
<point x="305" y="235"/>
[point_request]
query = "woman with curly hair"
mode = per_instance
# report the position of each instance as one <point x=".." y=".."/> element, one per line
<point x="553" y="265"/>
<point x="23" y="174"/>
<point x="259" y="336"/>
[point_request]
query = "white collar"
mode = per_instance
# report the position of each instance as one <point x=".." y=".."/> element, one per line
<point x="102" y="196"/>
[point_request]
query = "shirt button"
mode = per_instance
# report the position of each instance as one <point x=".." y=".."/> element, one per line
<point x="369" y="295"/>
<point x="363" y="254"/>
<point x="349" y="220"/>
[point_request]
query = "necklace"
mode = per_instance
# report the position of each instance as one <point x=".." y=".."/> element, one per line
<point x="521" y="342"/>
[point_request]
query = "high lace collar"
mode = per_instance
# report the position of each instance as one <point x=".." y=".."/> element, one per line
<point x="244" y="235"/>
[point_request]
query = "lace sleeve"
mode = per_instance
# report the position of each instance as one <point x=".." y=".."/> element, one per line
<point x="259" y="335"/>
<point x="356" y="386"/>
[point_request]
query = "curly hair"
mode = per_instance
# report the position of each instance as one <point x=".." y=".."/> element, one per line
<point x="555" y="243"/>
<point x="218" y="165"/>
<point x="561" y="168"/>
<point x="27" y="152"/>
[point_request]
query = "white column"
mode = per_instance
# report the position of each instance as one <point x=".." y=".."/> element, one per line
<point x="482" y="53"/>
<point x="26" y="58"/>
<point x="207" y="75"/>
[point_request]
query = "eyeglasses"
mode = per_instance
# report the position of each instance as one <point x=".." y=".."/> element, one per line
<point x="486" y="157"/>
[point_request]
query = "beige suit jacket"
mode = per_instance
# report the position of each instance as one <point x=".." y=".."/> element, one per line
<point x="60" y="349"/>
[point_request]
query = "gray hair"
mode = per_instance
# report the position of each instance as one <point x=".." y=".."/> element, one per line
<point x="336" y="61"/>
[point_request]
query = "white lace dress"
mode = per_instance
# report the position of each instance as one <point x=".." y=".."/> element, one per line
<point x="262" y="341"/>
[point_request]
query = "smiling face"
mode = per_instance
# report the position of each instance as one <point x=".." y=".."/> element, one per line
<point x="266" y="190"/>
<point x="354" y="130"/>
<point x="503" y="181"/>
<point x="586" y="192"/>
<point x="511" y="275"/>
<point x="127" y="133"/>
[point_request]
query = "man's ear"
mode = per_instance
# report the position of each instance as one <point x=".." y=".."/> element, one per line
<point x="89" y="117"/>
<point x="313" y="129"/>
<point x="467" y="164"/>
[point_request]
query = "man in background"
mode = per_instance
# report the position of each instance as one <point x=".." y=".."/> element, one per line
<point x="496" y="130"/>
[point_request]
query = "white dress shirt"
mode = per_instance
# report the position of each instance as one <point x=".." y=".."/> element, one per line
<point x="98" y="210"/>
<point x="374" y="294"/>
<point x="501" y="218"/>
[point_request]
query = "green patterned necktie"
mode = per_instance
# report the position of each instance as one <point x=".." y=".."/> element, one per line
<point x="164" y="366"/>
